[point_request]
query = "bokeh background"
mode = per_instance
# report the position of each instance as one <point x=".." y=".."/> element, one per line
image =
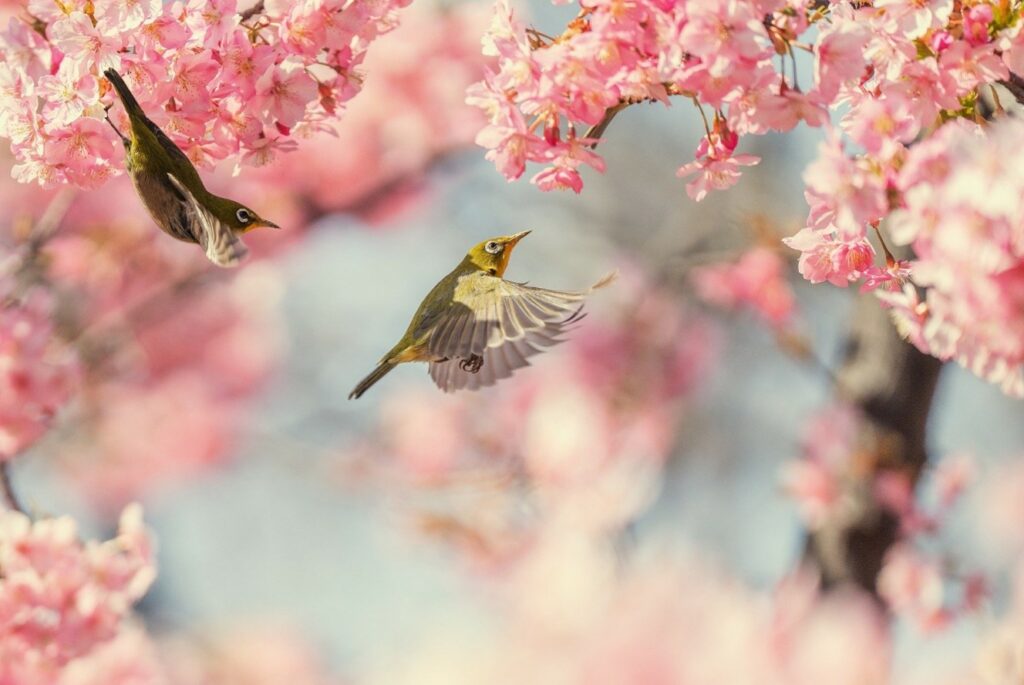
<point x="630" y="499"/>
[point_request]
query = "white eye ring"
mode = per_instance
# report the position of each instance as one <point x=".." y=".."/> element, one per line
<point x="243" y="215"/>
<point x="493" y="247"/>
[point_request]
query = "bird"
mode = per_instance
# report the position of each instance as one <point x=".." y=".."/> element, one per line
<point x="170" y="188"/>
<point x="475" y="328"/>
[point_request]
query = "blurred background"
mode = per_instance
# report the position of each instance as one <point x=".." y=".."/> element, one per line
<point x="634" y="507"/>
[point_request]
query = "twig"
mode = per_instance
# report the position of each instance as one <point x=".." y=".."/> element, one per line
<point x="10" y="498"/>
<point x="251" y="12"/>
<point x="597" y="130"/>
<point x="1014" y="84"/>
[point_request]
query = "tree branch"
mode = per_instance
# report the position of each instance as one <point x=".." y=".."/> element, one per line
<point x="251" y="12"/>
<point x="1014" y="84"/>
<point x="7" y="488"/>
<point x="892" y="383"/>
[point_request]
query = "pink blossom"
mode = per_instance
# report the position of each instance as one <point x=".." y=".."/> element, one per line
<point x="881" y="126"/>
<point x="558" y="178"/>
<point x="66" y="98"/>
<point x="826" y="257"/>
<point x="976" y="24"/>
<point x="717" y="165"/>
<point x="973" y="65"/>
<point x="61" y="597"/>
<point x="914" y="18"/>
<point x="914" y="585"/>
<point x="756" y="281"/>
<point x="126" y="15"/>
<point x="37" y="374"/>
<point x="87" y="49"/>
<point x="816" y="480"/>
<point x="963" y="221"/>
<point x="839" y="57"/>
<point x="285" y="91"/>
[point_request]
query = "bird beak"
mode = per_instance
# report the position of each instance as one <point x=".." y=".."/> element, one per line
<point x="513" y="239"/>
<point x="268" y="224"/>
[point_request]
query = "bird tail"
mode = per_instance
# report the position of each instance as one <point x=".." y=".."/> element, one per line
<point x="382" y="370"/>
<point x="131" y="105"/>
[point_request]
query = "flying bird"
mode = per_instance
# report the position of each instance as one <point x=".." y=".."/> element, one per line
<point x="475" y="328"/>
<point x="170" y="188"/>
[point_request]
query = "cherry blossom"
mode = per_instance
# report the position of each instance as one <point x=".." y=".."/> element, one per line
<point x="286" y="66"/>
<point x="755" y="281"/>
<point x="60" y="597"/>
<point x="37" y="374"/>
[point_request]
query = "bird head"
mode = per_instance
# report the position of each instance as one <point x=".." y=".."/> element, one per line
<point x="492" y="255"/>
<point x="240" y="218"/>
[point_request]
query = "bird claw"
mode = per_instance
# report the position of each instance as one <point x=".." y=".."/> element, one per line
<point x="472" y="364"/>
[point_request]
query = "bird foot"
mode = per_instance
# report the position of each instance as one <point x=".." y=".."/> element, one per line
<point x="472" y="364"/>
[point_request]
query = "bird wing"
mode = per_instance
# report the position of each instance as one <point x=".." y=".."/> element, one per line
<point x="222" y="246"/>
<point x="503" y="322"/>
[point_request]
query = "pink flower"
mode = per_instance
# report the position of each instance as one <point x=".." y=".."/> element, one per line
<point x="60" y="597"/>
<point x="87" y="49"/>
<point x="839" y="57"/>
<point x="127" y="15"/>
<point x="82" y="150"/>
<point x="756" y="281"/>
<point x="914" y="586"/>
<point x="973" y="65"/>
<point x="37" y="374"/>
<point x="192" y="74"/>
<point x="509" y="144"/>
<point x="826" y="257"/>
<point x="914" y="18"/>
<point x="880" y="126"/>
<point x="891" y="276"/>
<point x="816" y="480"/>
<point x="284" y="91"/>
<point x="67" y="97"/>
<point x="718" y="166"/>
<point x="558" y="178"/>
<point x="977" y="20"/>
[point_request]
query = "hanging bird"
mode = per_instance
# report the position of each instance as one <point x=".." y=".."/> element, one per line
<point x="475" y="328"/>
<point x="172" y="191"/>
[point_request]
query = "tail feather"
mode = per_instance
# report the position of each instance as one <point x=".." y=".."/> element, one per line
<point x="382" y="370"/>
<point x="131" y="105"/>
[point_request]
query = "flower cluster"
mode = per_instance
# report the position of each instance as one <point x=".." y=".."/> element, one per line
<point x="61" y="597"/>
<point x="719" y="54"/>
<point x="410" y="113"/>
<point x="756" y="281"/>
<point x="220" y="81"/>
<point x="964" y="217"/>
<point x="838" y="476"/>
<point x="897" y="71"/>
<point x="37" y="374"/>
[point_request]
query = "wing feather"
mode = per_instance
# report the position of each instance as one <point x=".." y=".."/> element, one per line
<point x="222" y="246"/>
<point x="503" y="322"/>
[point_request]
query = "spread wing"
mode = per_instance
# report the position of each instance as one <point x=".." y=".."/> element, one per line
<point x="222" y="246"/>
<point x="504" y="323"/>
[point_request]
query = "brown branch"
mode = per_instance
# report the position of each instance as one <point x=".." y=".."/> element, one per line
<point x="251" y="12"/>
<point x="1014" y="84"/>
<point x="892" y="384"/>
<point x="7" y="488"/>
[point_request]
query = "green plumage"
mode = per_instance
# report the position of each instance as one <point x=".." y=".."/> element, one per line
<point x="474" y="328"/>
<point x="170" y="187"/>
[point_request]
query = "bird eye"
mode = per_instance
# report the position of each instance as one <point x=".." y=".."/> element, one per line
<point x="244" y="215"/>
<point x="493" y="247"/>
